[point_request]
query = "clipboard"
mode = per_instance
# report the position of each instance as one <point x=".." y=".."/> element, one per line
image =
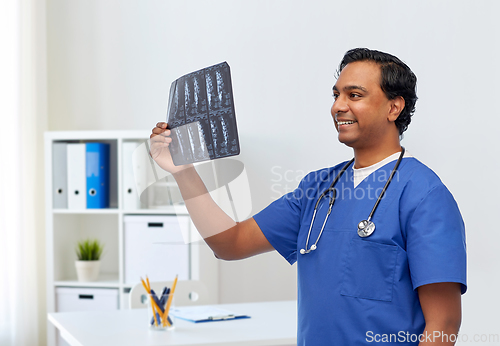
<point x="201" y="314"/>
<point x="201" y="116"/>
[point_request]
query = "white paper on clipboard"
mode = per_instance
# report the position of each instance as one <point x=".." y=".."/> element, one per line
<point x="199" y="314"/>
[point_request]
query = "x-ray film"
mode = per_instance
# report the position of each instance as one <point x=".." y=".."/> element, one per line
<point x="201" y="116"/>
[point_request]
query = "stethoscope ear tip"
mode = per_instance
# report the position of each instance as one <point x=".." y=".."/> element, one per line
<point x="304" y="251"/>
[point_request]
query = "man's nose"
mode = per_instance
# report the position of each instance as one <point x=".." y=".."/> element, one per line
<point x="340" y="106"/>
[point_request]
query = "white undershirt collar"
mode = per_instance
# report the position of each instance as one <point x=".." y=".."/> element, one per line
<point x="360" y="174"/>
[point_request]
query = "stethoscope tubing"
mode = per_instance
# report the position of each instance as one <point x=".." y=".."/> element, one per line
<point x="396" y="166"/>
<point x="332" y="201"/>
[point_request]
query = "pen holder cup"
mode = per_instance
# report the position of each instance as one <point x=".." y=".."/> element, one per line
<point x="160" y="320"/>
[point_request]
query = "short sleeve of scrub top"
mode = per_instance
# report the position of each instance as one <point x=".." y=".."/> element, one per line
<point x="436" y="240"/>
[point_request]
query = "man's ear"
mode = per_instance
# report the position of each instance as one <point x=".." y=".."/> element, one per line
<point x="397" y="106"/>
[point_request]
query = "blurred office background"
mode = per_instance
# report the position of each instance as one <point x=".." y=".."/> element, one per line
<point x="108" y="65"/>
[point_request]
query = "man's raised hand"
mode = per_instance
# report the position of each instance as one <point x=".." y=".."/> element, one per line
<point x="158" y="148"/>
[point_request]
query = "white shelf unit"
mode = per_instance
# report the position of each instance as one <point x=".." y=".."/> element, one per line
<point x="64" y="227"/>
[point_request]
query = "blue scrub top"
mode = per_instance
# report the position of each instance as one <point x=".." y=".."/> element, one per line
<point x="362" y="291"/>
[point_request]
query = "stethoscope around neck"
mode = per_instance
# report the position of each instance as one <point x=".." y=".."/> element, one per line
<point x="365" y="227"/>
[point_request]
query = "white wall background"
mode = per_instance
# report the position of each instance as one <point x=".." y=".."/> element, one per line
<point x="110" y="65"/>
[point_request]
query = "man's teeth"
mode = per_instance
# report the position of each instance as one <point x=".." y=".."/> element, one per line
<point x="345" y="122"/>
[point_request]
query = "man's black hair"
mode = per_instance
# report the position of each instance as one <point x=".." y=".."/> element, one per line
<point x="397" y="80"/>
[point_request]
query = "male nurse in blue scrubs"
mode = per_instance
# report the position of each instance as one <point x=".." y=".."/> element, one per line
<point x="401" y="285"/>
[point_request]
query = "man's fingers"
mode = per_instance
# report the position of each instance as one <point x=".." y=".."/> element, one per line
<point x="159" y="137"/>
<point x="156" y="138"/>
<point x="159" y="141"/>
<point x="157" y="130"/>
<point x="160" y="131"/>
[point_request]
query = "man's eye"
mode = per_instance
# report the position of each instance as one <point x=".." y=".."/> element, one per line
<point x="353" y="95"/>
<point x="335" y="96"/>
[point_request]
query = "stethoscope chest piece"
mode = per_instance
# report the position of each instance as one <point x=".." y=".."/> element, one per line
<point x="365" y="228"/>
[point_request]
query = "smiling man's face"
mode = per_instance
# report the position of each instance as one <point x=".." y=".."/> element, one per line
<point x="361" y="110"/>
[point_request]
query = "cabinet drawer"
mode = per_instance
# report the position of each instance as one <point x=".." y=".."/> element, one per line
<point x="154" y="246"/>
<point x="86" y="299"/>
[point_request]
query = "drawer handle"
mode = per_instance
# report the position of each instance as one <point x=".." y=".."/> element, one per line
<point x="86" y="296"/>
<point x="155" y="224"/>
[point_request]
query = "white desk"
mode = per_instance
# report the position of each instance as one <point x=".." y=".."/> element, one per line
<point x="271" y="323"/>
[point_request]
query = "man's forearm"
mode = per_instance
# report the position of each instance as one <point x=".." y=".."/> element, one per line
<point x="439" y="335"/>
<point x="206" y="215"/>
<point x="442" y="308"/>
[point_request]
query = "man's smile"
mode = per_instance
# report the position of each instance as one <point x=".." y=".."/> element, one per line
<point x="348" y="122"/>
<point x="344" y="122"/>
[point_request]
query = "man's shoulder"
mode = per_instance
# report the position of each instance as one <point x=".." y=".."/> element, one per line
<point x="421" y="182"/>
<point x="418" y="173"/>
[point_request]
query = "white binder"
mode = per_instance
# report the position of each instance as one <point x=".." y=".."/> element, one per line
<point x="144" y="172"/>
<point x="59" y="176"/>
<point x="130" y="194"/>
<point x="77" y="180"/>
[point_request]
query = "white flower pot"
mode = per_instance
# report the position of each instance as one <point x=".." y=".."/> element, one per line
<point x="87" y="270"/>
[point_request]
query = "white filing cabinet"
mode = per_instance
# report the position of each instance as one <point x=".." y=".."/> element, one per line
<point x="154" y="246"/>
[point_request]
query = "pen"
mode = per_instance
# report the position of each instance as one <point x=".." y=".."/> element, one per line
<point x="218" y="318"/>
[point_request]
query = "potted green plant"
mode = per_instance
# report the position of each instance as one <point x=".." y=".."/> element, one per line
<point x="89" y="253"/>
